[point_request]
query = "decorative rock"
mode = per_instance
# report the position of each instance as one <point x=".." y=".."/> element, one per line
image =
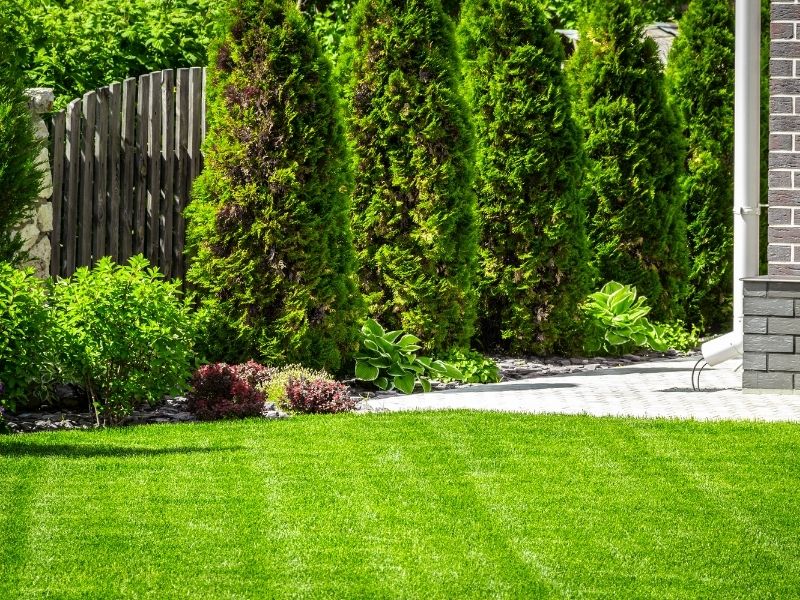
<point x="40" y="100"/>
<point x="30" y="235"/>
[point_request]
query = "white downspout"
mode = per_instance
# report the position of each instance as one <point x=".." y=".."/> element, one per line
<point x="746" y="174"/>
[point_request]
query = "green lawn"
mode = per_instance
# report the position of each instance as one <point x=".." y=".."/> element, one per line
<point x="425" y="505"/>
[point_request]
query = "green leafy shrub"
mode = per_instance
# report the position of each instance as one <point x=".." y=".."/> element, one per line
<point x="20" y="178"/>
<point x="678" y="336"/>
<point x="318" y="396"/>
<point x="534" y="250"/>
<point x="635" y="153"/>
<point x="414" y="207"/>
<point x="700" y="78"/>
<point x="615" y="322"/>
<point x="75" y="46"/>
<point x="330" y="23"/>
<point x="124" y="334"/>
<point x="26" y="349"/>
<point x="222" y="391"/>
<point x="388" y="359"/>
<point x="473" y="366"/>
<point x="268" y="231"/>
<point x="275" y="388"/>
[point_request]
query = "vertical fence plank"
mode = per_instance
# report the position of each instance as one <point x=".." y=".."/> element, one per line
<point x="142" y="123"/>
<point x="87" y="180"/>
<point x="73" y="167"/>
<point x="182" y="177"/>
<point x="57" y="135"/>
<point x="197" y="109"/>
<point x="114" y="168"/>
<point x="128" y="178"/>
<point x="154" y="182"/>
<point x="100" y="199"/>
<point x="168" y="168"/>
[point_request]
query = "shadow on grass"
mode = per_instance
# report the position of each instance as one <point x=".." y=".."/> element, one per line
<point x="14" y="449"/>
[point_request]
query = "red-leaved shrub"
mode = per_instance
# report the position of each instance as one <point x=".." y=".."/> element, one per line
<point x="222" y="391"/>
<point x="318" y="396"/>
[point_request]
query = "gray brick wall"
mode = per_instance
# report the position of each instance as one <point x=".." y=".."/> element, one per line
<point x="784" y="141"/>
<point x="771" y="333"/>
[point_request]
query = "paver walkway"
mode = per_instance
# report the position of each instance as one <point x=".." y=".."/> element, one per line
<point x="653" y="389"/>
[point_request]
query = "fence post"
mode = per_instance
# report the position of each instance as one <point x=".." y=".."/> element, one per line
<point x="35" y="231"/>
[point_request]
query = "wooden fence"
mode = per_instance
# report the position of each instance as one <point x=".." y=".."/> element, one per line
<point x="124" y="158"/>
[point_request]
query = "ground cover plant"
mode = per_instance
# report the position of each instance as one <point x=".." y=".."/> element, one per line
<point x="700" y="83"/>
<point x="534" y="255"/>
<point x="437" y="505"/>
<point x="268" y="229"/>
<point x="413" y="206"/>
<point x="635" y="154"/>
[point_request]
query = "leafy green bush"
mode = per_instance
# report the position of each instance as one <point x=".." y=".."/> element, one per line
<point x="275" y="388"/>
<point x="389" y="360"/>
<point x="635" y="152"/>
<point x="678" y="336"/>
<point x="330" y="24"/>
<point x="473" y="366"/>
<point x="26" y="349"/>
<point x="268" y="231"/>
<point x="123" y="334"/>
<point x="20" y="178"/>
<point x="534" y="250"/>
<point x="414" y="207"/>
<point x="78" y="45"/>
<point x="615" y="322"/>
<point x="700" y="78"/>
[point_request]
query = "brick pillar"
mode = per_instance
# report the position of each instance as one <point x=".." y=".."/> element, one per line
<point x="772" y="302"/>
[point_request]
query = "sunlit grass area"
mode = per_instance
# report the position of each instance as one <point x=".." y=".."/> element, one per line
<point x="415" y="505"/>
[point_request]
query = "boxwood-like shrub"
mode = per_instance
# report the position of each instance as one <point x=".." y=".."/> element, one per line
<point x="268" y="234"/>
<point x="122" y="333"/>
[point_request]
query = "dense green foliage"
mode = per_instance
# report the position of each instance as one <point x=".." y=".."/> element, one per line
<point x="566" y="14"/>
<point x="534" y="251"/>
<point x="26" y="365"/>
<point x="20" y="178"/>
<point x="474" y="366"/>
<point x="268" y="231"/>
<point x="615" y="322"/>
<point x="77" y="45"/>
<point x="427" y="506"/>
<point x="700" y="82"/>
<point x="123" y="334"/>
<point x="388" y="359"/>
<point x="635" y="152"/>
<point x="414" y="207"/>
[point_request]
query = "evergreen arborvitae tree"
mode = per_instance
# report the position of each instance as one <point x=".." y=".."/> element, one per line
<point x="269" y="233"/>
<point x="20" y="178"/>
<point x="635" y="151"/>
<point x="414" y="207"/>
<point x="534" y="251"/>
<point x="700" y="82"/>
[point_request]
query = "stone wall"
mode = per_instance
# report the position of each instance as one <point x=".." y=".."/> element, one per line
<point x="771" y="333"/>
<point x="35" y="231"/>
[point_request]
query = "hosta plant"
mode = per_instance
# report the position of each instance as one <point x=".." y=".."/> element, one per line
<point x="388" y="359"/>
<point x="616" y="321"/>
<point x="474" y="366"/>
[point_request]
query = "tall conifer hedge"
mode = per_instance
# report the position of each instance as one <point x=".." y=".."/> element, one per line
<point x="414" y="207"/>
<point x="534" y="251"/>
<point x="269" y="231"/>
<point x="20" y="178"/>
<point x="700" y="78"/>
<point x="635" y="152"/>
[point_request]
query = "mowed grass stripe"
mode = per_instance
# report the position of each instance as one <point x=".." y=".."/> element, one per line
<point x="416" y="505"/>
